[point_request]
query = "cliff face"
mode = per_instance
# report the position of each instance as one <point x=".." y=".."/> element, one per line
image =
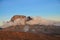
<point x="18" y="26"/>
<point x="17" y="16"/>
<point x="18" y="23"/>
<point x="23" y="20"/>
<point x="19" y="19"/>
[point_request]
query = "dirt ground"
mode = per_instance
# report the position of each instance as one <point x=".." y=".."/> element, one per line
<point x="10" y="35"/>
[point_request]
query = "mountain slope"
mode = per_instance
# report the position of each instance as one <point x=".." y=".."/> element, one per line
<point x="9" y="35"/>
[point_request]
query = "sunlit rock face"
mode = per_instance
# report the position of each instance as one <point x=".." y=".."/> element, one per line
<point x="30" y="24"/>
<point x="39" y="21"/>
<point x="15" y="20"/>
<point x="19" y="19"/>
<point x="23" y="20"/>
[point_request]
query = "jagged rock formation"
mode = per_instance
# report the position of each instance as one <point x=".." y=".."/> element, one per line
<point x="29" y="18"/>
<point x="28" y="24"/>
<point x="23" y="26"/>
<point x="23" y="20"/>
<point x="39" y="21"/>
<point x="19" y="19"/>
<point x="17" y="16"/>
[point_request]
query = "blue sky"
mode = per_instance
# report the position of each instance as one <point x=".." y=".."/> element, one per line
<point x="49" y="9"/>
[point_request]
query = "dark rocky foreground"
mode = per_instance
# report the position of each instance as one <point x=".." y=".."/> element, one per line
<point x="50" y="29"/>
<point x="30" y="32"/>
<point x="9" y="35"/>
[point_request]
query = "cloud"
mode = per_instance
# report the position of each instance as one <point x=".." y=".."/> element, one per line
<point x="16" y="22"/>
<point x="40" y="21"/>
<point x="1" y="23"/>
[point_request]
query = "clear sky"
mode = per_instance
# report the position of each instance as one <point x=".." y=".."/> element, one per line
<point x="49" y="9"/>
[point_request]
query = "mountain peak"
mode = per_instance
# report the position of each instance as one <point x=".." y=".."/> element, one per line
<point x="23" y="20"/>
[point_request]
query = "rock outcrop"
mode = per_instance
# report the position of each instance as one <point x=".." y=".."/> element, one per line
<point x="23" y="20"/>
<point x="18" y="23"/>
<point x="19" y="19"/>
<point x="39" y="21"/>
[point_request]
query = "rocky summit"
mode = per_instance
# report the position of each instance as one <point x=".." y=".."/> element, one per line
<point x="21" y="27"/>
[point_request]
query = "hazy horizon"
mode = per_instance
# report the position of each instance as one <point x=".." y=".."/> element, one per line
<point x="48" y="9"/>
